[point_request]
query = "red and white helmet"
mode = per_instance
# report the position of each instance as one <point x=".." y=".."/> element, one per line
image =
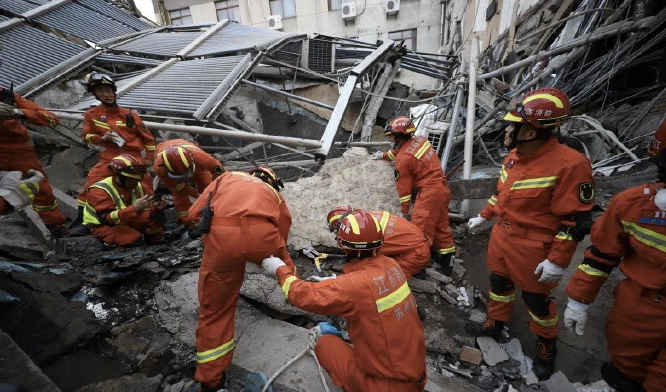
<point x="360" y="232"/>
<point x="658" y="143"/>
<point x="542" y="108"/>
<point x="98" y="79"/>
<point x="128" y="165"/>
<point x="401" y="126"/>
<point x="268" y="176"/>
<point x="335" y="215"/>
<point x="178" y="162"/>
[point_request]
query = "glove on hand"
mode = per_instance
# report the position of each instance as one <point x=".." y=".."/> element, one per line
<point x="321" y="278"/>
<point x="6" y="111"/>
<point x="377" y="155"/>
<point x="550" y="273"/>
<point x="19" y="192"/>
<point x="325" y="328"/>
<point x="475" y="222"/>
<point x="576" y="316"/>
<point x="271" y="264"/>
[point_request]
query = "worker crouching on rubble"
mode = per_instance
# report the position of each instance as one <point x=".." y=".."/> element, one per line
<point x="17" y="153"/>
<point x="17" y="192"/>
<point x="387" y="351"/>
<point x="403" y="241"/>
<point x="186" y="170"/>
<point x="630" y="234"/>
<point x="418" y="171"/>
<point x="120" y="210"/>
<point x="244" y="219"/>
<point x="544" y="196"/>
<point x="118" y="130"/>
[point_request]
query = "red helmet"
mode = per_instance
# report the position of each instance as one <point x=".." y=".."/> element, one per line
<point x="95" y="79"/>
<point x="541" y="108"/>
<point x="128" y="165"/>
<point x="336" y="215"/>
<point x="178" y="162"/>
<point x="359" y="231"/>
<point x="268" y="176"/>
<point x="658" y="141"/>
<point x="401" y="126"/>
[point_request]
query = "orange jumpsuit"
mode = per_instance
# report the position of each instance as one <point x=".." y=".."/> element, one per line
<point x="417" y="166"/>
<point x="536" y="199"/>
<point x="631" y="234"/>
<point x="102" y="119"/>
<point x="18" y="153"/>
<point x="251" y="221"/>
<point x="182" y="190"/>
<point x="404" y="242"/>
<point x="116" y="222"/>
<point x="388" y="352"/>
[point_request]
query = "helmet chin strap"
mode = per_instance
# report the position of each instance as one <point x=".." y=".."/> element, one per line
<point x="515" y="142"/>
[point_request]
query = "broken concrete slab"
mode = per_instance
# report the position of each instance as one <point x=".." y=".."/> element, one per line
<point x="68" y="205"/>
<point x="36" y="226"/>
<point x="470" y="355"/>
<point x="493" y="353"/>
<point x="19" y="242"/>
<point x="515" y="350"/>
<point x="439" y="383"/>
<point x="438" y="276"/>
<point x="76" y="245"/>
<point x="422" y="286"/>
<point x="134" y="382"/>
<point x="17" y="368"/>
<point x="265" y="289"/>
<point x="558" y="382"/>
<point x="599" y="386"/>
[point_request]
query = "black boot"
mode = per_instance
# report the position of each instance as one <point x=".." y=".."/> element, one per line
<point x="218" y="388"/>
<point x="544" y="361"/>
<point x="78" y="229"/>
<point x="490" y="328"/>
<point x="618" y="380"/>
<point x="445" y="262"/>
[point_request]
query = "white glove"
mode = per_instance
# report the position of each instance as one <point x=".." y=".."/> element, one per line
<point x="475" y="222"/>
<point x="550" y="273"/>
<point x="660" y="199"/>
<point x="19" y="191"/>
<point x="576" y="316"/>
<point x="271" y="264"/>
<point x="321" y="278"/>
<point x="377" y="155"/>
<point x="6" y="111"/>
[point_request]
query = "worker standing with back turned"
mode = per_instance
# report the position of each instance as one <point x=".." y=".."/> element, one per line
<point x="631" y="234"/>
<point x="544" y="196"/>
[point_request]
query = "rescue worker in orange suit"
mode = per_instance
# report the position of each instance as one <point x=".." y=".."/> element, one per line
<point x="417" y="167"/>
<point x="403" y="241"/>
<point x="631" y="234"/>
<point x="543" y="204"/>
<point x="17" y="192"/>
<point x="186" y="170"/>
<point x="387" y="351"/>
<point x="120" y="210"/>
<point x="270" y="177"/>
<point x="118" y="130"/>
<point x="17" y="152"/>
<point x="247" y="215"/>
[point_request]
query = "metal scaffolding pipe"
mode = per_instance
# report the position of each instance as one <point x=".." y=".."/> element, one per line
<point x="232" y="133"/>
<point x="471" y="110"/>
<point x="286" y="94"/>
<point x="452" y="128"/>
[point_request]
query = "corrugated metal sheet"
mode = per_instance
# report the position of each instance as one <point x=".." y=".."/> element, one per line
<point x="27" y="52"/>
<point x="115" y="13"/>
<point x="84" y="23"/>
<point x="3" y="18"/>
<point x="181" y="88"/>
<point x="159" y="44"/>
<point x="18" y="7"/>
<point x="234" y="38"/>
<point x="124" y="59"/>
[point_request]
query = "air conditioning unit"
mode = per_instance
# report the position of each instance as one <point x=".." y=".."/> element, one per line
<point x="274" y="22"/>
<point x="392" y="6"/>
<point x="348" y="10"/>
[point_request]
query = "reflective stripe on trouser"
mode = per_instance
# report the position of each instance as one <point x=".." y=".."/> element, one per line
<point x="501" y="298"/>
<point x="431" y="215"/>
<point x="413" y="261"/>
<point x="226" y="248"/>
<point x="21" y="157"/>
<point x="340" y="362"/>
<point x="636" y="335"/>
<point x="122" y="235"/>
<point x="516" y="258"/>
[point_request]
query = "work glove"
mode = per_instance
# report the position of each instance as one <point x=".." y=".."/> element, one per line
<point x="6" y="111"/>
<point x="550" y="273"/>
<point x="576" y="316"/>
<point x="271" y="264"/>
<point x="660" y="199"/>
<point x="321" y="278"/>
<point x="476" y="221"/>
<point x="17" y="191"/>
<point x="325" y="328"/>
<point x="377" y="155"/>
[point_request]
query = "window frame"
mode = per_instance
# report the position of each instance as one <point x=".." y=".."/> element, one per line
<point x="411" y="39"/>
<point x="330" y="5"/>
<point x="282" y="13"/>
<point x="180" y="17"/>
<point x="227" y="7"/>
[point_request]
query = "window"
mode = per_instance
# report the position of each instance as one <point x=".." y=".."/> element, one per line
<point x="285" y="8"/>
<point x="409" y="36"/>
<point x="181" y="17"/>
<point x="228" y="9"/>
<point x="334" y="5"/>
